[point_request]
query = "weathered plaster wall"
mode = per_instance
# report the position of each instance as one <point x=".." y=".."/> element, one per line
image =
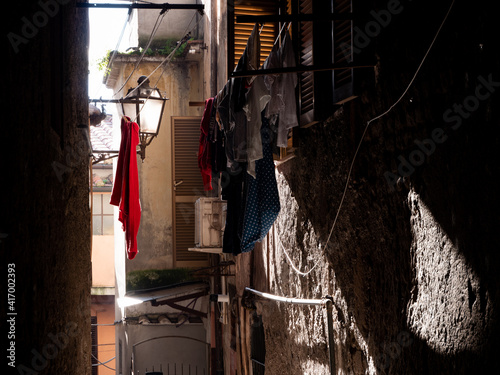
<point x="175" y="22"/>
<point x="45" y="216"/>
<point x="215" y="35"/>
<point x="181" y="83"/>
<point x="412" y="266"/>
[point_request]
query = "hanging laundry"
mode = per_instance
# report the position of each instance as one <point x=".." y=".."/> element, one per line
<point x="125" y="192"/>
<point x="257" y="99"/>
<point x="227" y="124"/>
<point x="204" y="154"/>
<point x="249" y="60"/>
<point x="262" y="200"/>
<point x="250" y="187"/>
<point x="232" y="193"/>
<point x="282" y="88"/>
<point x="222" y="106"/>
<point x="216" y="138"/>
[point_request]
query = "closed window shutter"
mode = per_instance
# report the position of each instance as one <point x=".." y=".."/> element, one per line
<point x="306" y="58"/>
<point x="324" y="43"/>
<point x="186" y="143"/>
<point x="186" y="135"/>
<point x="241" y="31"/>
<point x="342" y="54"/>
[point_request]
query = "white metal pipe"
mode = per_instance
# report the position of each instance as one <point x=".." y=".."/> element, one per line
<point x="324" y="301"/>
<point x="297" y="301"/>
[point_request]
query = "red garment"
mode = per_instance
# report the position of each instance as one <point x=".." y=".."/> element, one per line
<point x="204" y="154"/>
<point x="126" y="185"/>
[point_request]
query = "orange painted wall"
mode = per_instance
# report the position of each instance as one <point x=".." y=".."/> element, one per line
<point x="104" y="308"/>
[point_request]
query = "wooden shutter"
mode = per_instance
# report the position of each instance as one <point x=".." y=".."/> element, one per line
<point x="188" y="187"/>
<point x="186" y="143"/>
<point x="322" y="44"/>
<point x="342" y="53"/>
<point x="240" y="32"/>
<point x="306" y="58"/>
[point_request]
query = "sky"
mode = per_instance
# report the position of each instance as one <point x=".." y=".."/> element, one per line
<point x="105" y="29"/>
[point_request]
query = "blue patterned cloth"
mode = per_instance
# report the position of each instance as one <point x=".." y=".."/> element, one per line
<point x="262" y="199"/>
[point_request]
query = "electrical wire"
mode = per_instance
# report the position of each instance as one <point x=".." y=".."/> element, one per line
<point x="289" y="259"/>
<point x="150" y="39"/>
<point x="103" y="363"/>
<point x="187" y="32"/>
<point x="115" y="51"/>
<point x="167" y="60"/>
<point x="362" y="138"/>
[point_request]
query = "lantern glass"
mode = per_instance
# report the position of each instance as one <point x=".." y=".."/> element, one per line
<point x="150" y="113"/>
<point x="145" y="105"/>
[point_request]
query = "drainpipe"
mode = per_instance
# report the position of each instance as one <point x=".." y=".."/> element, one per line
<point x="326" y="301"/>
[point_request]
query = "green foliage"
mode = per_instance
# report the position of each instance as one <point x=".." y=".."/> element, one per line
<point x="163" y="48"/>
<point x="148" y="279"/>
<point x="159" y="48"/>
<point x="102" y="63"/>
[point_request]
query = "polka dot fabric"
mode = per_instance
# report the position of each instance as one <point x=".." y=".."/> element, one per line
<point x="262" y="203"/>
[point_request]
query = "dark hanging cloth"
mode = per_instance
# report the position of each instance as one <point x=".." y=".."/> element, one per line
<point x="262" y="198"/>
<point x="252" y="202"/>
<point x="233" y="192"/>
<point x="237" y="135"/>
<point x="216" y="139"/>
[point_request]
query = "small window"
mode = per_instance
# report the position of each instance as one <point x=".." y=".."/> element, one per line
<point x="102" y="215"/>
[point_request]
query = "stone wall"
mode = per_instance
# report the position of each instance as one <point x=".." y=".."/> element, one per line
<point x="45" y="212"/>
<point x="412" y="263"/>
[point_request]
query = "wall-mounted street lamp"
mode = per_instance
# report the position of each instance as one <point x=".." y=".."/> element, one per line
<point x="142" y="104"/>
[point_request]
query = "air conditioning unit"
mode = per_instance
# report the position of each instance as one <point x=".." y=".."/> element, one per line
<point x="210" y="221"/>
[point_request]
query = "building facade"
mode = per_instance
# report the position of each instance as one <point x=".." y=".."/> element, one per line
<point x="400" y="231"/>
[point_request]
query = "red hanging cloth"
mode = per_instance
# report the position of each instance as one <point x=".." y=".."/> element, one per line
<point x="204" y="152"/>
<point x="125" y="192"/>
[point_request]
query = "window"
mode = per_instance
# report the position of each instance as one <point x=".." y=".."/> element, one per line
<point x="324" y="44"/>
<point x="238" y="33"/>
<point x="322" y="34"/>
<point x="102" y="211"/>
<point x="102" y="215"/>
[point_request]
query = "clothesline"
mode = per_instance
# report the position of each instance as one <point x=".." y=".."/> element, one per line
<point x="299" y="69"/>
<point x="303" y="17"/>
<point x="239" y="128"/>
<point x="240" y="74"/>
